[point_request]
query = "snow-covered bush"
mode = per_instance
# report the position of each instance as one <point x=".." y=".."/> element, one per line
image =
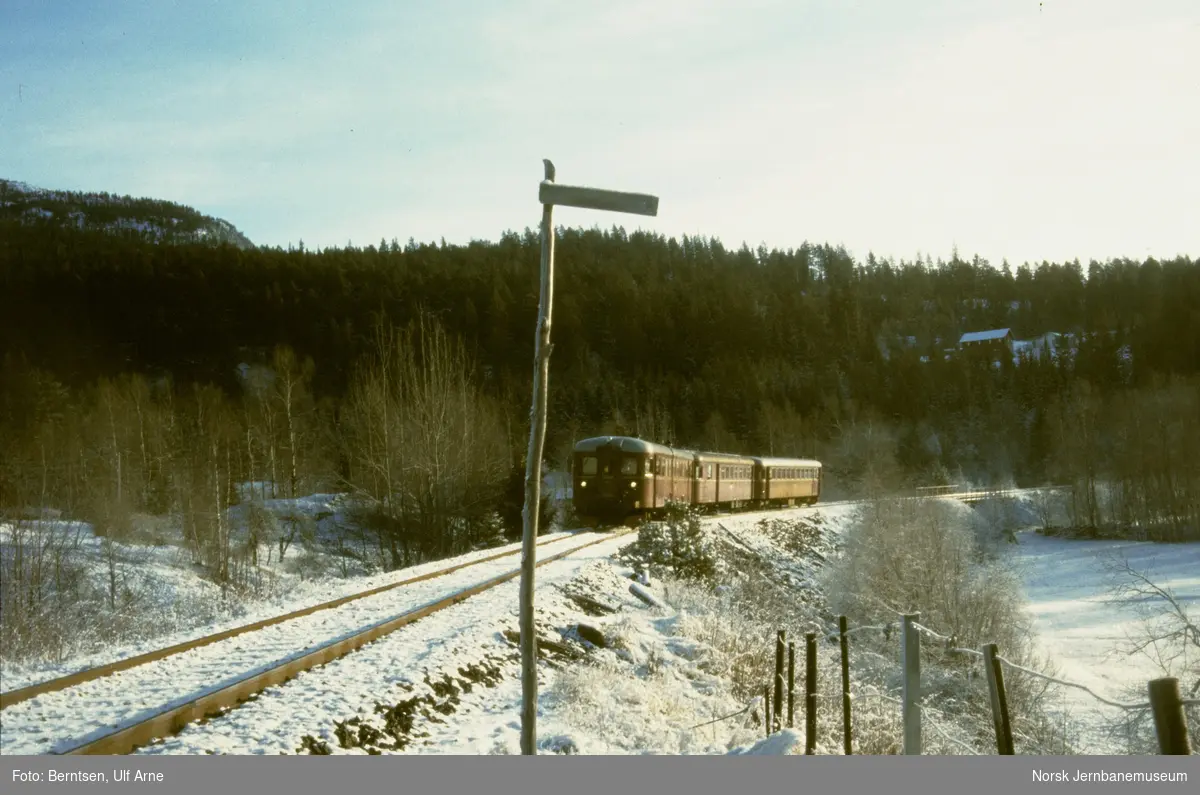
<point x="680" y="544"/>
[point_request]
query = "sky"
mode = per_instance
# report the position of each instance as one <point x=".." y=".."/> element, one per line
<point x="1007" y="129"/>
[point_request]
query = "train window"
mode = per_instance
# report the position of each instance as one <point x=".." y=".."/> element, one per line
<point x="589" y="466"/>
<point x="709" y="471"/>
<point x="629" y="465"/>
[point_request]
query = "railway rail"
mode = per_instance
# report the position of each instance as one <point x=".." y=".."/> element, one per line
<point x="132" y="708"/>
<point x="63" y="682"/>
<point x="171" y="720"/>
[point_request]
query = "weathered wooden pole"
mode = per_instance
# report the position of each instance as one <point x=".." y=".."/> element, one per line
<point x="791" y="684"/>
<point x="549" y="194"/>
<point x="843" y="641"/>
<point x="995" y="680"/>
<point x="767" y="710"/>
<point x="1169" y="722"/>
<point x="910" y="643"/>
<point x="533" y="481"/>
<point x="777" y="708"/>
<point x="810" y="693"/>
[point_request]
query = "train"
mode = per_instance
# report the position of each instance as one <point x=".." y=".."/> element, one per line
<point x="623" y="479"/>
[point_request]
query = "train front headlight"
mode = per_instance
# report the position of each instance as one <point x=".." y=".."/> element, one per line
<point x="633" y="484"/>
<point x="583" y="484"/>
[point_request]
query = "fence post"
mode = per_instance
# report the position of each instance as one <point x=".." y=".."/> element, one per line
<point x="995" y="680"/>
<point x="779" y="683"/>
<point x="791" y="684"/>
<point x="1169" y="723"/>
<point x="810" y="693"/>
<point x="767" y="710"/>
<point x="779" y="648"/>
<point x="910" y="643"/>
<point x="844" y="642"/>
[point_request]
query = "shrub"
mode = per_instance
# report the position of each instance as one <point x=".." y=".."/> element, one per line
<point x="679" y="544"/>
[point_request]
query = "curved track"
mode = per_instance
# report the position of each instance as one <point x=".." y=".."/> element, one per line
<point x="63" y="682"/>
<point x="158" y="699"/>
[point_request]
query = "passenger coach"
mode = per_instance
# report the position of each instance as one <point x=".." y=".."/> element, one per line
<point x="787" y="481"/>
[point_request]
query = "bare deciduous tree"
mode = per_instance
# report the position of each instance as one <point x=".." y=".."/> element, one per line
<point x="425" y="449"/>
<point x="1170" y="631"/>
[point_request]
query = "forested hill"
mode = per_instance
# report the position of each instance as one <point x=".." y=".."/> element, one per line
<point x="804" y="351"/>
<point x="152" y="220"/>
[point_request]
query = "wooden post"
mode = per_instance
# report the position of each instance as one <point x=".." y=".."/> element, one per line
<point x="767" y="710"/>
<point x="533" y="482"/>
<point x="779" y="648"/>
<point x="779" y="683"/>
<point x="995" y="680"/>
<point x="810" y="693"/>
<point x="843" y="641"/>
<point x="1169" y="722"/>
<point x="550" y="194"/>
<point x="910" y="644"/>
<point x="791" y="684"/>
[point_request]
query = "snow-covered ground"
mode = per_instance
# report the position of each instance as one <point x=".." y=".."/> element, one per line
<point x="53" y="722"/>
<point x="1087" y="634"/>
<point x="170" y="587"/>
<point x="450" y="682"/>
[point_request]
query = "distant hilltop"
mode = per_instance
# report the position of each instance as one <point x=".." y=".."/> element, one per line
<point x="160" y="221"/>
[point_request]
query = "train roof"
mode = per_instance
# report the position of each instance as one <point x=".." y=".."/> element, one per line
<point x="726" y="457"/>
<point x="787" y="462"/>
<point x="631" y="444"/>
<point x="626" y="444"/>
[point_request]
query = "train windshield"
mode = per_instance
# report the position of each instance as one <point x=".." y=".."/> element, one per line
<point x="629" y="466"/>
<point x="589" y="465"/>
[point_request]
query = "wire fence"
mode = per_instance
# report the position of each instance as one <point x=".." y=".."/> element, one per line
<point x="1165" y="700"/>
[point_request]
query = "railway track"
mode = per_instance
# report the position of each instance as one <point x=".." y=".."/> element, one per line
<point x="208" y="697"/>
<point x="63" y="682"/>
<point x="127" y="725"/>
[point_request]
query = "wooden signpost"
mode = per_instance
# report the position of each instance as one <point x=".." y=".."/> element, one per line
<point x="550" y="194"/>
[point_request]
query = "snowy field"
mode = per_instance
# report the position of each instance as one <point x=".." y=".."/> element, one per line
<point x="1088" y="634"/>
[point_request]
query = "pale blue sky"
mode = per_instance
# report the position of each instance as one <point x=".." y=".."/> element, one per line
<point x="1026" y="130"/>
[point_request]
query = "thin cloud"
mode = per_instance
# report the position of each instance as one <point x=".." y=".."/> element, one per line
<point x="1016" y="131"/>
